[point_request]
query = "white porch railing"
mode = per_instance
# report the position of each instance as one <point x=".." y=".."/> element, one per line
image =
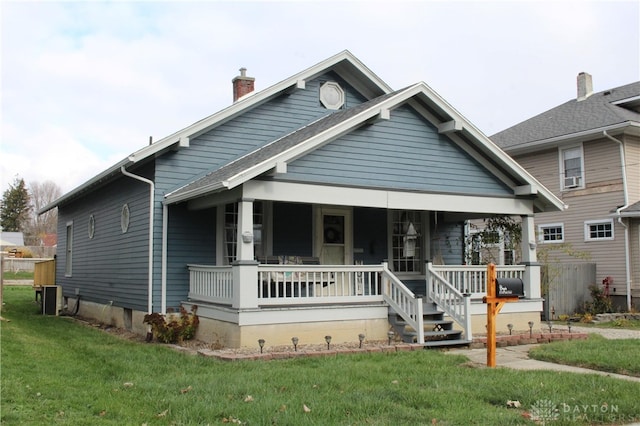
<point x="403" y="302"/>
<point x="451" y="287"/>
<point x="472" y="279"/>
<point x="211" y="283"/>
<point x="309" y="284"/>
<point x="448" y="298"/>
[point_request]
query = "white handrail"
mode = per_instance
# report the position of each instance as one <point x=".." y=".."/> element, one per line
<point x="403" y="302"/>
<point x="211" y="283"/>
<point x="472" y="279"/>
<point x="448" y="298"/>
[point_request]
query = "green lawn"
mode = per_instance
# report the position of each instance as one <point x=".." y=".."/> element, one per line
<point x="614" y="356"/>
<point x="20" y="275"/>
<point x="57" y="371"/>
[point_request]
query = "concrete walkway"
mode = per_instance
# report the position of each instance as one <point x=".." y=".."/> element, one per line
<point x="517" y="357"/>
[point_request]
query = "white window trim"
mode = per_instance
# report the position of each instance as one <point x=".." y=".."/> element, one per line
<point x="424" y="247"/>
<point x="125" y="218"/>
<point x="91" y="226"/>
<point x="68" y="265"/>
<point x="561" y="151"/>
<point x="541" y="228"/>
<point x="587" y="233"/>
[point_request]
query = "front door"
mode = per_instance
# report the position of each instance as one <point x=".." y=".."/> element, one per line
<point x="334" y="235"/>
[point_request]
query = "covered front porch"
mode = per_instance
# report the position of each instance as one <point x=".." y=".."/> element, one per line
<point x="287" y="263"/>
<point x="341" y="300"/>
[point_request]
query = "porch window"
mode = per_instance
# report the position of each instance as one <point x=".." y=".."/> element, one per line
<point x="551" y="233"/>
<point x="407" y="241"/>
<point x="598" y="230"/>
<point x="492" y="246"/>
<point x="231" y="231"/>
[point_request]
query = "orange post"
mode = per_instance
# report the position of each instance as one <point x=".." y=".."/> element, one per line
<point x="494" y="305"/>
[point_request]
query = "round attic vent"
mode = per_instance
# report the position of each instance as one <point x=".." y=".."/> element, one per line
<point x="331" y="95"/>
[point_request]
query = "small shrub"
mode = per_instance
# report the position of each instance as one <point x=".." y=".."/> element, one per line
<point x="600" y="302"/>
<point x="563" y="317"/>
<point x="174" y="329"/>
<point x="621" y="322"/>
<point x="586" y="318"/>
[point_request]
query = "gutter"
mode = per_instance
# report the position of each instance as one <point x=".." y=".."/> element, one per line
<point x="618" y="215"/>
<point x="151" y="202"/>
<point x="591" y="134"/>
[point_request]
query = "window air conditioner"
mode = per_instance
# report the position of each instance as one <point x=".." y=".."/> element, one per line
<point x="572" y="182"/>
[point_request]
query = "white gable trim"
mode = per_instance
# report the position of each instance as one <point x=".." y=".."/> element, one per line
<point x="339" y="62"/>
<point x="427" y="95"/>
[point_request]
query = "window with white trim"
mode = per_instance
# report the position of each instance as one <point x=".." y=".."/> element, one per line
<point x="231" y="231"/>
<point x="125" y="218"/>
<point x="492" y="246"/>
<point x="551" y="233"/>
<point x="571" y="168"/>
<point x="407" y="241"/>
<point x="68" y="262"/>
<point x="598" y="230"/>
<point x="92" y="226"/>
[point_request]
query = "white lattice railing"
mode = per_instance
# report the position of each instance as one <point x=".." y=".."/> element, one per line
<point x="211" y="283"/>
<point x="448" y="298"/>
<point x="472" y="279"/>
<point x="403" y="302"/>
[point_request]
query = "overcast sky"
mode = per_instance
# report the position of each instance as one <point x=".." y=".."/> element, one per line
<point x="84" y="84"/>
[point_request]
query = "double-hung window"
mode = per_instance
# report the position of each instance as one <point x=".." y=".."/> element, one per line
<point x="598" y="230"/>
<point x="571" y="168"/>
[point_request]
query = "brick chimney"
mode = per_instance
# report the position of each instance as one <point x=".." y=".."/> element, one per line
<point x="585" y="86"/>
<point x="242" y="84"/>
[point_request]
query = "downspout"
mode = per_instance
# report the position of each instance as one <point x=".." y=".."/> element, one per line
<point x="151" y="200"/>
<point x="626" y="204"/>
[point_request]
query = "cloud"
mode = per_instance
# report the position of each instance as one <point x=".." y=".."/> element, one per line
<point x="84" y="84"/>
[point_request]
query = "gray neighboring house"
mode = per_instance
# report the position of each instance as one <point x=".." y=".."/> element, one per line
<point x="587" y="151"/>
<point x="310" y="208"/>
<point x="11" y="239"/>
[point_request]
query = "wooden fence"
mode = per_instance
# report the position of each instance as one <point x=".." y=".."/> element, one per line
<point x="568" y="288"/>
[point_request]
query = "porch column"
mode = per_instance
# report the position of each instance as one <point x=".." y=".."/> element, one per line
<point x="529" y="259"/>
<point x="245" y="268"/>
<point x="244" y="250"/>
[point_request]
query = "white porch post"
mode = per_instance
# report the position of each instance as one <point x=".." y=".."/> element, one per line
<point x="245" y="268"/>
<point x="530" y="259"/>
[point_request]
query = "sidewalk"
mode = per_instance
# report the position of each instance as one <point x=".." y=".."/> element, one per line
<point x="517" y="357"/>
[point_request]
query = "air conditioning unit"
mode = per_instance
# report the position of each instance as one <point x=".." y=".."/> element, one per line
<point x="572" y="182"/>
<point x="51" y="299"/>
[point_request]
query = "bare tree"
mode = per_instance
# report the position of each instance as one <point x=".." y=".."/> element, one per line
<point x="43" y="194"/>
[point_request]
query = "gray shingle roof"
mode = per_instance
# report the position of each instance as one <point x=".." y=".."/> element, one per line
<point x="632" y="210"/>
<point x="278" y="146"/>
<point x="574" y="116"/>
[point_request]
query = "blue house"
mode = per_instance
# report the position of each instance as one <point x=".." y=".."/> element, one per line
<point x="325" y="204"/>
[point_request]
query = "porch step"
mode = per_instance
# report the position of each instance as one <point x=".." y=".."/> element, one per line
<point x="437" y="331"/>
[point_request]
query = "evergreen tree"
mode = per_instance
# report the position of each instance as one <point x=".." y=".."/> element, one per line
<point x="15" y="207"/>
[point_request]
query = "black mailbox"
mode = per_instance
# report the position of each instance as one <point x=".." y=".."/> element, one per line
<point x="509" y="287"/>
